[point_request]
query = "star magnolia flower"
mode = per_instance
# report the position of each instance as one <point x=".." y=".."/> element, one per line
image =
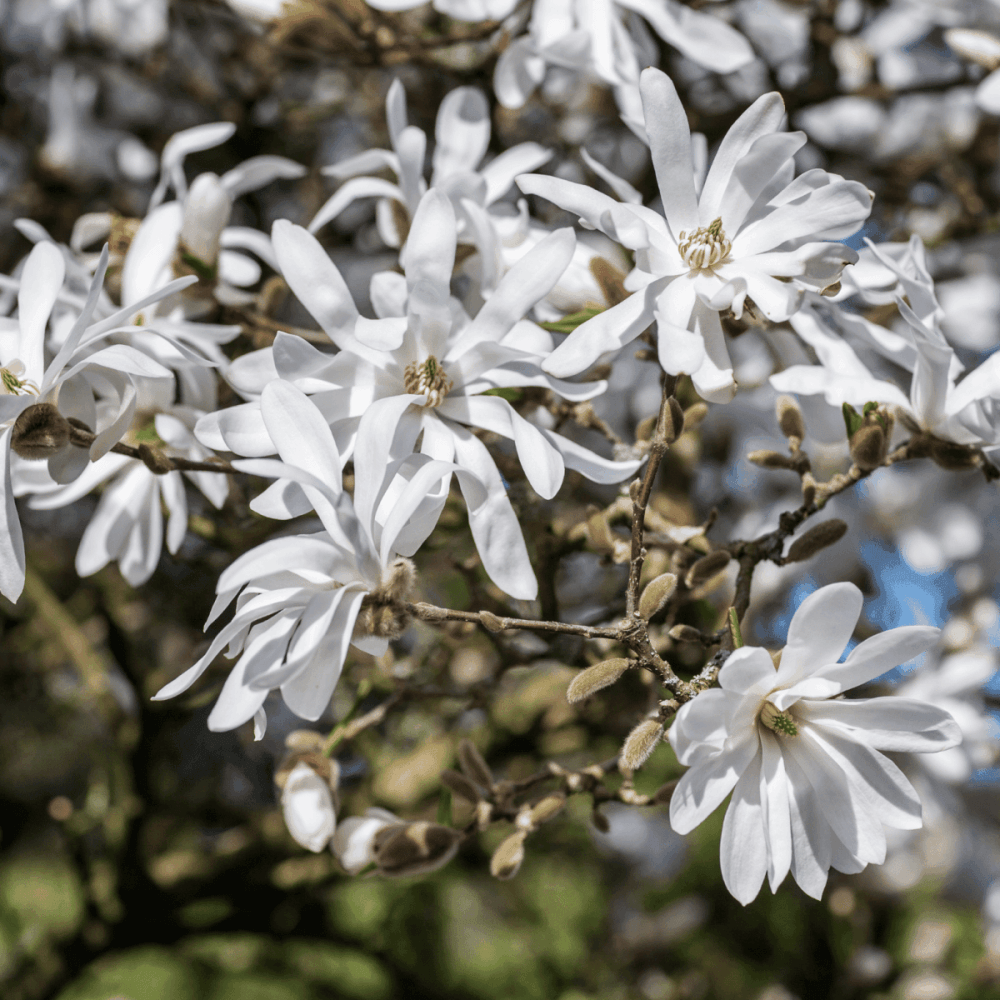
<point x="966" y="412"/>
<point x="421" y="372"/>
<point x="462" y="137"/>
<point x="193" y="231"/>
<point x="127" y="525"/>
<point x="25" y="380"/>
<point x="299" y="597"/>
<point x="460" y="10"/>
<point x="605" y="40"/>
<point x="811" y="789"/>
<point x="751" y="232"/>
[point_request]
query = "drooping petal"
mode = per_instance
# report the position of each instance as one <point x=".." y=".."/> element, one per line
<point x="743" y="847"/>
<point x="300" y="434"/>
<point x="699" y="728"/>
<point x="11" y="539"/>
<point x="41" y="281"/>
<point x="774" y="802"/>
<point x="811" y="833"/>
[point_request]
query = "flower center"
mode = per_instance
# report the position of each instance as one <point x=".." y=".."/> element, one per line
<point x="12" y="384"/>
<point x="429" y="378"/>
<point x="777" y="721"/>
<point x="705" y="247"/>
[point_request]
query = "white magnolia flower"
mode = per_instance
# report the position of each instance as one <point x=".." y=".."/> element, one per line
<point x="982" y="48"/>
<point x="127" y="525"/>
<point x="193" y="231"/>
<point x="462" y="138"/>
<point x="307" y="805"/>
<point x="422" y="372"/>
<point x="608" y="40"/>
<point x="811" y="788"/>
<point x="298" y="598"/>
<point x="753" y="231"/>
<point x="25" y="380"/>
<point x="966" y="412"/>
<point x="353" y="844"/>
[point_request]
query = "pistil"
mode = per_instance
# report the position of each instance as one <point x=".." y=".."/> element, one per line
<point x="705" y="247"/>
<point x="428" y="378"/>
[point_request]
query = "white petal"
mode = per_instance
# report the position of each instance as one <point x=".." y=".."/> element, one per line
<point x="461" y="133"/>
<point x="702" y="789"/>
<point x="11" y="539"/>
<point x="745" y="668"/>
<point x="700" y="726"/>
<point x="300" y="434"/>
<point x="743" y="847"/>
<point x="41" y="281"/>
<point x="774" y="800"/>
<point x="429" y="254"/>
<point x="879" y="653"/>
<point x="308" y="808"/>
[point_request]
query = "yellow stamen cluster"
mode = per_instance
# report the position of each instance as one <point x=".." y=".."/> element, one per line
<point x="777" y="721"/>
<point x="705" y="247"/>
<point x="429" y="378"/>
<point x="14" y="386"/>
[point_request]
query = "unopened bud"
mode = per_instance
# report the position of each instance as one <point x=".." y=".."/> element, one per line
<point x="460" y="785"/>
<point x="694" y="415"/>
<point x="415" y="848"/>
<point x="398" y="580"/>
<point x="673" y="420"/>
<point x="600" y="675"/>
<point x="472" y="764"/>
<point x="767" y="459"/>
<point x="154" y="459"/>
<point x="645" y="428"/>
<point x="599" y="531"/>
<point x="353" y="843"/>
<point x="684" y="633"/>
<point x="490" y="621"/>
<point x="790" y="418"/>
<point x="706" y="567"/>
<point x="308" y="807"/>
<point x="545" y="809"/>
<point x="39" y="432"/>
<point x="640" y="743"/>
<point x="815" y="539"/>
<point x="207" y="208"/>
<point x="305" y="739"/>
<point x="508" y="856"/>
<point x="656" y="595"/>
<point x="868" y="434"/>
<point x="952" y="456"/>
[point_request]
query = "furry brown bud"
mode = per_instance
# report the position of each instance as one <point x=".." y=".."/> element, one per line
<point x="39" y="432"/>
<point x="767" y="459"/>
<point x="706" y="567"/>
<point x="154" y="459"/>
<point x="868" y="434"/>
<point x="952" y="456"/>
<point x="656" y="594"/>
<point x="460" y="785"/>
<point x="415" y="848"/>
<point x="694" y="415"/>
<point x="684" y="633"/>
<point x="600" y="675"/>
<point x="472" y="764"/>
<point x="507" y="858"/>
<point x="818" y="537"/>
<point x="790" y="418"/>
<point x="640" y="743"/>
<point x="490" y="621"/>
<point x="673" y="421"/>
<point x="547" y="808"/>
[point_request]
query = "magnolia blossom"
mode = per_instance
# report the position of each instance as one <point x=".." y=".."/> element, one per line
<point x="462" y="138"/>
<point x="299" y="597"/>
<point x="26" y="380"/>
<point x="421" y="373"/>
<point x="308" y="807"/>
<point x="750" y="232"/>
<point x="353" y="843"/>
<point x="811" y="788"/>
<point x="966" y="412"/>
<point x="608" y="40"/>
<point x="982" y="48"/>
<point x="127" y="525"/>
<point x="460" y="10"/>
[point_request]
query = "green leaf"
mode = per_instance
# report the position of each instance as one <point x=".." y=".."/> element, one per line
<point x="569" y="323"/>
<point x="852" y="419"/>
<point x="510" y="394"/>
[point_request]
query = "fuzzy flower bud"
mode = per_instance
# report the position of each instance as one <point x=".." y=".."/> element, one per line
<point x="640" y="743"/>
<point x="39" y="432"/>
<point x="415" y="848"/>
<point x="600" y="675"/>
<point x="706" y="567"/>
<point x="353" y="843"/>
<point x="815" y="539"/>
<point x="656" y="594"/>
<point x="790" y="418"/>
<point x="507" y="858"/>
<point x="868" y="434"/>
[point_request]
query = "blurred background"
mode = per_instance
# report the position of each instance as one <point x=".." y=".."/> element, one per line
<point x="143" y="857"/>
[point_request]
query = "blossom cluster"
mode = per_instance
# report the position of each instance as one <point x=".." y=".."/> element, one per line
<point x="505" y="289"/>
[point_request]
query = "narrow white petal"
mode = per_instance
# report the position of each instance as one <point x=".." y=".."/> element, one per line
<point x="889" y="723"/>
<point x="774" y="796"/>
<point x="701" y="790"/>
<point x="879" y="653"/>
<point x="743" y="847"/>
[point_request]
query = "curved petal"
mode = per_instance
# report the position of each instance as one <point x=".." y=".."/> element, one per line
<point x="745" y="668"/>
<point x="461" y="133"/>
<point x="743" y="849"/>
<point x="701" y="790"/>
<point x="879" y="653"/>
